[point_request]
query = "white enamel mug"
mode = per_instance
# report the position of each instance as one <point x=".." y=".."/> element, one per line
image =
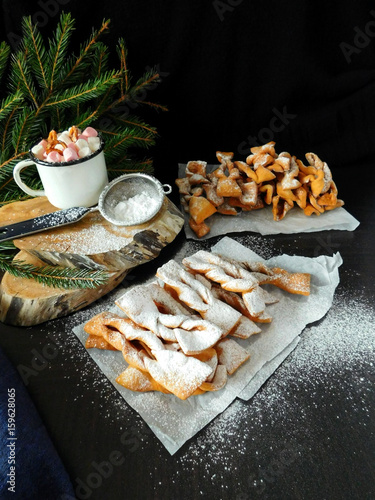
<point x="76" y="183"/>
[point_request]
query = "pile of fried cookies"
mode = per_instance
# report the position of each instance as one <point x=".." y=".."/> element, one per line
<point x="179" y="334"/>
<point x="280" y="180"/>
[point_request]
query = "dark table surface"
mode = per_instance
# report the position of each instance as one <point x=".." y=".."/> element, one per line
<point x="308" y="433"/>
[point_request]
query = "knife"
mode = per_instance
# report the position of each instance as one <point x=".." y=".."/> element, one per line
<point x="43" y="222"/>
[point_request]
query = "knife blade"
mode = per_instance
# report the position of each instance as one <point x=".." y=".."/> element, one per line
<point x="43" y="222"/>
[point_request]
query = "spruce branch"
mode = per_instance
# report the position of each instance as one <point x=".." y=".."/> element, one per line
<point x="58" y="51"/>
<point x="128" y="134"/>
<point x="23" y="129"/>
<point x="120" y="168"/>
<point x="99" y="60"/>
<point x="6" y="173"/>
<point x="9" y="190"/>
<point x="133" y="121"/>
<point x="4" y="57"/>
<point x="6" y="141"/>
<point x="75" y="64"/>
<point x="158" y="107"/>
<point x="21" y="71"/>
<point x="84" y="92"/>
<point x="123" y="53"/>
<point x="8" y="104"/>
<point x="146" y="82"/>
<point x="7" y="246"/>
<point x="37" y="52"/>
<point x="11" y="162"/>
<point x="55" y="276"/>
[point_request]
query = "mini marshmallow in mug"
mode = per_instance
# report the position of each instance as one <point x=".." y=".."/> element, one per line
<point x="74" y="178"/>
<point x="83" y="152"/>
<point x="72" y="138"/>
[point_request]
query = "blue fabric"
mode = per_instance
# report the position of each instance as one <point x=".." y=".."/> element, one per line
<point x="39" y="472"/>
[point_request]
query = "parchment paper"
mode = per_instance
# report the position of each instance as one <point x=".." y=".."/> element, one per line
<point x="261" y="221"/>
<point x="174" y="421"/>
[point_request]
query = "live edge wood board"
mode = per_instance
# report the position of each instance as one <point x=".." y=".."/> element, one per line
<point x="91" y="243"/>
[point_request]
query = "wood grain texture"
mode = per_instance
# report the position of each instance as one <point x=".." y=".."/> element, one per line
<point x="93" y="241"/>
<point x="25" y="302"/>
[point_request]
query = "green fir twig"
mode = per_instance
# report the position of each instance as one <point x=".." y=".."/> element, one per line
<point x="53" y="276"/>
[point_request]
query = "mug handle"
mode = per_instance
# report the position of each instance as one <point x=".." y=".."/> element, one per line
<point x="17" y="177"/>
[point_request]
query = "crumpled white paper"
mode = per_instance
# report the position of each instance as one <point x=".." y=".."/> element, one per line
<point x="174" y="421"/>
<point x="261" y="221"/>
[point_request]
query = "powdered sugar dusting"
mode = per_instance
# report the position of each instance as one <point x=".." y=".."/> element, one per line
<point x="344" y="339"/>
<point x="264" y="246"/>
<point x="342" y="343"/>
<point x="92" y="240"/>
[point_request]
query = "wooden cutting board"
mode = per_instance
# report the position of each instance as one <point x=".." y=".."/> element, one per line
<point x="92" y="242"/>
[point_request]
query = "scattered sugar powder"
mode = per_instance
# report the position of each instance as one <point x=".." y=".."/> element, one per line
<point x="343" y="339"/>
<point x="92" y="240"/>
<point x="264" y="246"/>
<point x="336" y="354"/>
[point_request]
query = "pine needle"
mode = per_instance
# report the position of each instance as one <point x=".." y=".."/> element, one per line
<point x="55" y="276"/>
<point x="4" y="57"/>
<point x="37" y="52"/>
<point x="8" y="104"/>
<point x="87" y="48"/>
<point x="59" y="47"/>
<point x="84" y="92"/>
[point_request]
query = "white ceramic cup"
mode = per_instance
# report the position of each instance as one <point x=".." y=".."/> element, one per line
<point x="76" y="183"/>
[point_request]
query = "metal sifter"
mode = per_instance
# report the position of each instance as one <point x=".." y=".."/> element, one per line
<point x="120" y="190"/>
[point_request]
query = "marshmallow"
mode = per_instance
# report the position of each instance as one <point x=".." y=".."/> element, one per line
<point x="38" y="151"/>
<point x="73" y="146"/>
<point x="64" y="137"/>
<point x="94" y="143"/>
<point x="54" y="157"/>
<point x="81" y="143"/>
<point x="84" y="152"/>
<point x="70" y="154"/>
<point x="78" y="145"/>
<point x="90" y="132"/>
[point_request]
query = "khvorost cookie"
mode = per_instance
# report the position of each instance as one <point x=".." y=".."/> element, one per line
<point x="265" y="178"/>
<point x="179" y="334"/>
